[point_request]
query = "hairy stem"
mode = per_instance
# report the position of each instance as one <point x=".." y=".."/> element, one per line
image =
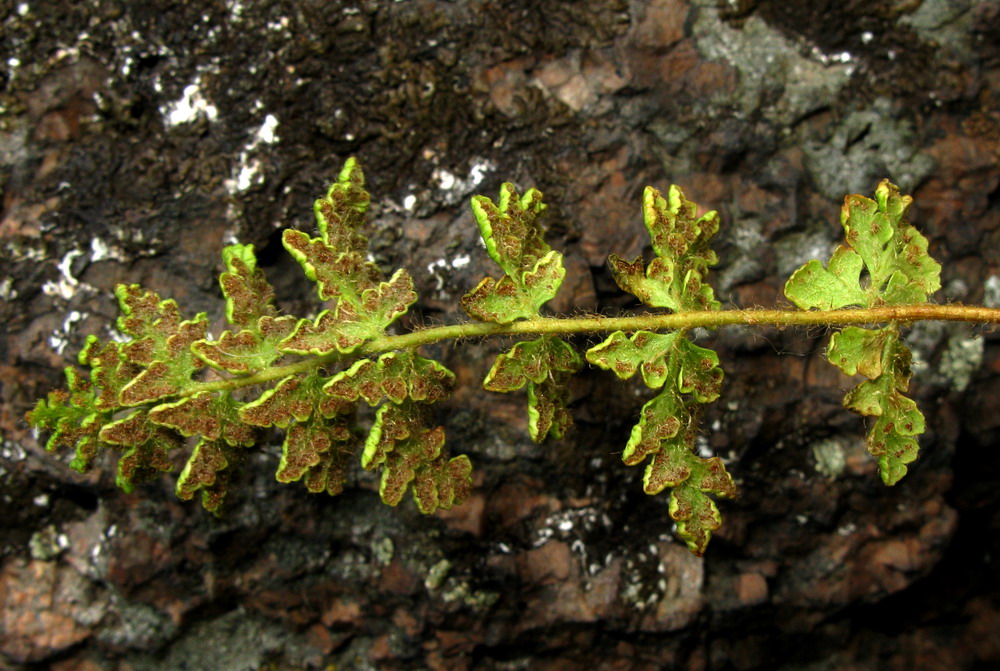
<point x="653" y="322"/>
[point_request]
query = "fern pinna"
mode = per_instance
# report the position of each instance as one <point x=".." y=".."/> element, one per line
<point x="147" y="392"/>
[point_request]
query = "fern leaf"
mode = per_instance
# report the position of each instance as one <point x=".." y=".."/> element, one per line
<point x="160" y="344"/>
<point x="212" y="416"/>
<point x="317" y="452"/>
<point x="885" y="262"/>
<point x="396" y="376"/>
<point x="294" y="399"/>
<point x="409" y="453"/>
<point x="545" y="366"/>
<point x="513" y="236"/>
<point x="147" y="448"/>
<point x="353" y="322"/>
<point x="209" y="470"/>
<point x="250" y="307"/>
<point x="74" y="419"/>
<point x="880" y="241"/>
<point x="675" y="279"/>
<point x="880" y="356"/>
<point x="686" y="375"/>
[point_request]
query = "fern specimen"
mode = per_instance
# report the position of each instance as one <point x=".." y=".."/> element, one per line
<point x="144" y="397"/>
<point x="150" y="377"/>
<point x="688" y="375"/>
<point x="883" y="245"/>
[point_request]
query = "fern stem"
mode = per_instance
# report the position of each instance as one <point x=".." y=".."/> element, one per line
<point x="897" y="314"/>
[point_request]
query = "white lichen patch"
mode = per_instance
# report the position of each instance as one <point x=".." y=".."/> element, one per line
<point x="827" y="59"/>
<point x="962" y="355"/>
<point x="12" y="452"/>
<point x="452" y="188"/>
<point x="436" y="575"/>
<point x="101" y="251"/>
<point x="573" y="526"/>
<point x="59" y="338"/>
<point x="702" y="448"/>
<point x="795" y="249"/>
<point x="763" y="56"/>
<point x="266" y="131"/>
<point x="236" y="9"/>
<point x="47" y="543"/>
<point x="67" y="285"/>
<point x="188" y="107"/>
<point x="248" y="169"/>
<point x="847" y="529"/>
<point x="441" y="268"/>
<point x="384" y="550"/>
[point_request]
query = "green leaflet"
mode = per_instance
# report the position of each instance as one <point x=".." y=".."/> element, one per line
<point x="73" y="418"/>
<point x="510" y="228"/>
<point x="209" y="470"/>
<point x="396" y="376"/>
<point x="686" y="375"/>
<point x="836" y="286"/>
<point x="317" y="452"/>
<point x="510" y="299"/>
<point x="885" y="262"/>
<point x="110" y="371"/>
<point x="360" y="316"/>
<point x="880" y="241"/>
<point x="547" y="413"/>
<point x="880" y="356"/>
<point x="695" y="513"/>
<point x="342" y="211"/>
<point x="660" y="356"/>
<point x="695" y="378"/>
<point x="294" y="399"/>
<point x="336" y="272"/>
<point x="249" y="306"/>
<point x="154" y="363"/>
<point x="249" y="296"/>
<point x="212" y="416"/>
<point x="675" y="279"/>
<point x="337" y="261"/>
<point x="410" y="455"/>
<point x="861" y="351"/>
<point x="147" y="447"/>
<point x="161" y="344"/>
<point x="533" y="271"/>
<point x="249" y="350"/>
<point x="545" y="366"/>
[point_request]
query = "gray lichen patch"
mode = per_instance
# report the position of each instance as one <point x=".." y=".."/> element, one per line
<point x="770" y="67"/>
<point x="962" y="357"/>
<point x="946" y="23"/>
<point x="958" y="360"/>
<point x="236" y="641"/>
<point x="867" y="145"/>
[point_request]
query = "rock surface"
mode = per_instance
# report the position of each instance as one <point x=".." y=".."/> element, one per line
<point x="135" y="142"/>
